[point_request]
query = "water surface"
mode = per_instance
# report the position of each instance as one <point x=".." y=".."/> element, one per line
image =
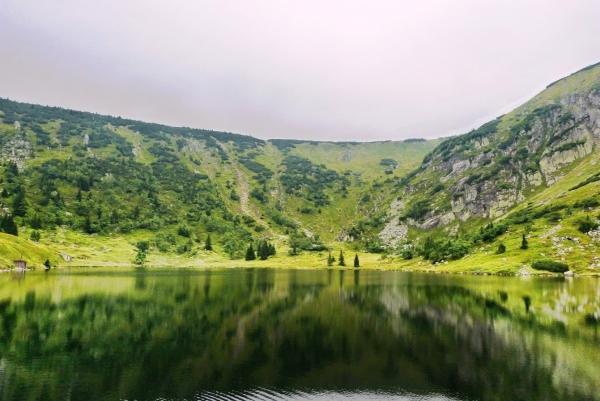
<point x="92" y="334"/>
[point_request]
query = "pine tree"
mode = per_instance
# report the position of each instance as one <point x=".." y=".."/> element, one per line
<point x="8" y="225"/>
<point x="330" y="259"/>
<point x="208" y="244"/>
<point x="35" y="222"/>
<point x="47" y="264"/>
<point x="19" y="203"/>
<point x="259" y="250"/>
<point x="356" y="261"/>
<point x="35" y="236"/>
<point x="250" y="255"/>
<point x="263" y="250"/>
<point x="341" y="259"/>
<point x="87" y="225"/>
<point x="524" y="243"/>
<point x="501" y="248"/>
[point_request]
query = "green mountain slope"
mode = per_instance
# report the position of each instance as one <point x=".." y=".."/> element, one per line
<point x="521" y="191"/>
<point x="81" y="178"/>
<point x="533" y="171"/>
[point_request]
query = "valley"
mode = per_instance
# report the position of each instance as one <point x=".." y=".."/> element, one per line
<point x="518" y="196"/>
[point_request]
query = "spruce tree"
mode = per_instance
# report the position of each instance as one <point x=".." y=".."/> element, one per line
<point x="35" y="222"/>
<point x="250" y="255"/>
<point x="19" y="203"/>
<point x="208" y="244"/>
<point x="47" y="264"/>
<point x="8" y="225"/>
<point x="341" y="259"/>
<point x="524" y="243"/>
<point x="87" y="225"/>
<point x="263" y="250"/>
<point x="35" y="236"/>
<point x="356" y="261"/>
<point x="501" y="248"/>
<point x="330" y="259"/>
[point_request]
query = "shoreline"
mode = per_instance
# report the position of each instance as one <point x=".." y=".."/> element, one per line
<point x="245" y="265"/>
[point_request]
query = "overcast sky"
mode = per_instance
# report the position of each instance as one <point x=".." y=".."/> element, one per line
<point x="327" y="70"/>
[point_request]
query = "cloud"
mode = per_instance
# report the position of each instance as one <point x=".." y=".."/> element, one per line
<point x="335" y="70"/>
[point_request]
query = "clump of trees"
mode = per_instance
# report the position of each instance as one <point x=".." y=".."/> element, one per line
<point x="437" y="250"/>
<point x="550" y="265"/>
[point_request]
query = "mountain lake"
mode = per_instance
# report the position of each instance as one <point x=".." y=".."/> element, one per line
<point x="273" y="334"/>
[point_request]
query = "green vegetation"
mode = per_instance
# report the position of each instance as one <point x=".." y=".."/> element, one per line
<point x="92" y="188"/>
<point x="550" y="265"/>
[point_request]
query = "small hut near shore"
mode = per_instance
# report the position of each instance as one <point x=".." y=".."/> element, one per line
<point x="20" y="264"/>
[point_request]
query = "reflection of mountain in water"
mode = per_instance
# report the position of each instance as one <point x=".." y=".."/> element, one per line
<point x="176" y="335"/>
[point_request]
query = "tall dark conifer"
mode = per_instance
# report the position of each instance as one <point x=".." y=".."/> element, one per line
<point x="250" y="255"/>
<point x="341" y="261"/>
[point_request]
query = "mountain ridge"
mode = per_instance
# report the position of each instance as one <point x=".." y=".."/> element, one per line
<point x="82" y="175"/>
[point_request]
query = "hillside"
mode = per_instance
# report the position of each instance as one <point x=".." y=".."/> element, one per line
<point x="533" y="171"/>
<point x="83" y="181"/>
<point x="521" y="191"/>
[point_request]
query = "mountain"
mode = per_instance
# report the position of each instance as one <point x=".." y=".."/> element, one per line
<point x="83" y="178"/>
<point x="519" y="192"/>
<point x="533" y="170"/>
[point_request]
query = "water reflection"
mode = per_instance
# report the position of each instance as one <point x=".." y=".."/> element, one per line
<point x="258" y="334"/>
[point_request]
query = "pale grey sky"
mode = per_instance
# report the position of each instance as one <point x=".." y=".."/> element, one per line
<point x="326" y="70"/>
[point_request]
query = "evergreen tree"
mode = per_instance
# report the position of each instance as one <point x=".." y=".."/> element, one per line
<point x="87" y="225"/>
<point x="19" y="203"/>
<point x="35" y="236"/>
<point x="272" y="250"/>
<point x="8" y="225"/>
<point x="330" y="259"/>
<point x="264" y="250"/>
<point x="341" y="259"/>
<point x="35" y="222"/>
<point x="47" y="264"/>
<point x="78" y="196"/>
<point x="501" y="248"/>
<point x="208" y="244"/>
<point x="356" y="261"/>
<point x="250" y="255"/>
<point x="259" y="250"/>
<point x="524" y="243"/>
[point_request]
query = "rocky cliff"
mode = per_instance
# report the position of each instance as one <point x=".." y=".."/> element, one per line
<point x="490" y="170"/>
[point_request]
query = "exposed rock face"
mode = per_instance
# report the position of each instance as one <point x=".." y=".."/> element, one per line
<point x="489" y="173"/>
<point x="553" y="162"/>
<point x="18" y="149"/>
<point x="394" y="232"/>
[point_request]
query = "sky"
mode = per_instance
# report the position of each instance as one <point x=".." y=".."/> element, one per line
<point x="334" y="70"/>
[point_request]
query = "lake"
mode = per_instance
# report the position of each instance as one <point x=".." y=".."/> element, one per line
<point x="119" y="334"/>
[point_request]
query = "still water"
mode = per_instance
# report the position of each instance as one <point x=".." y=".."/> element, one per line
<point x="231" y="334"/>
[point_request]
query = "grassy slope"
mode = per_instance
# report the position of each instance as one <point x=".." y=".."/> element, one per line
<point x="363" y="161"/>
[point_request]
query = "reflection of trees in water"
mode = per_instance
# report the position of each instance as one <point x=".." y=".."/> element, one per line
<point x="173" y="336"/>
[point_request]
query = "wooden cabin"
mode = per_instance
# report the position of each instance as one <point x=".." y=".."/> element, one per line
<point x="20" y="264"/>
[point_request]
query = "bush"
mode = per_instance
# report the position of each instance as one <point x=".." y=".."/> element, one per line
<point x="143" y="246"/>
<point x="550" y="265"/>
<point x="184" y="231"/>
<point x="586" y="225"/>
<point x="418" y="210"/>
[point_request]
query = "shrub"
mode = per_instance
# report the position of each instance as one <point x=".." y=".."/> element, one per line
<point x="143" y="246"/>
<point x="586" y="225"/>
<point x="550" y="265"/>
<point x="501" y="248"/>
